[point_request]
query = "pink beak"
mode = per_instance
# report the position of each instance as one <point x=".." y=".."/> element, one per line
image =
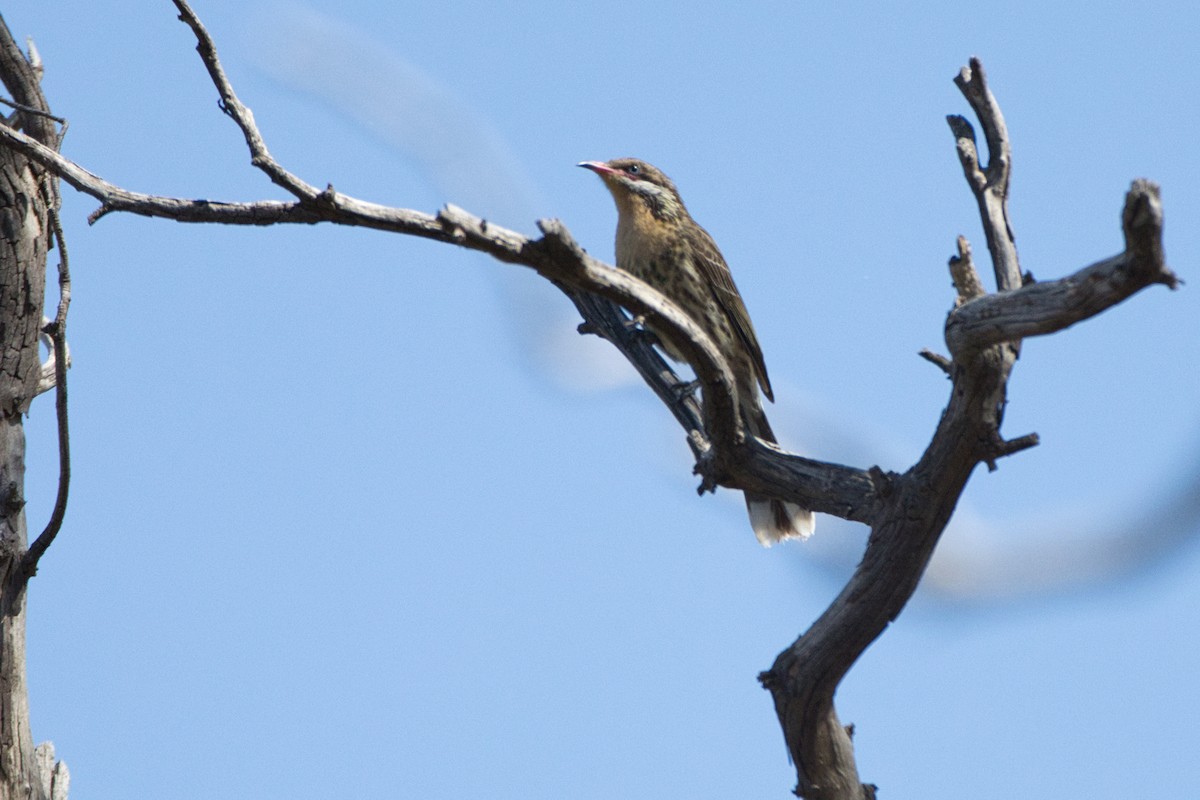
<point x="598" y="167"/>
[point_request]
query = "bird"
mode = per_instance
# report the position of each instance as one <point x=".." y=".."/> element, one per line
<point x="658" y="242"/>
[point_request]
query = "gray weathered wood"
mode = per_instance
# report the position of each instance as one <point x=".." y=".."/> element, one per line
<point x="26" y="195"/>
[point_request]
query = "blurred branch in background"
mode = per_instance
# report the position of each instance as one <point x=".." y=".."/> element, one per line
<point x="451" y="146"/>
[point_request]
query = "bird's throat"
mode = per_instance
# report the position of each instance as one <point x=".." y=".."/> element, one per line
<point x="642" y="237"/>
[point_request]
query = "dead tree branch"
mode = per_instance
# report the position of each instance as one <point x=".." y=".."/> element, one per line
<point x="984" y="332"/>
<point x="1048" y="307"/>
<point x="907" y="512"/>
<point x="724" y="456"/>
<point x="990" y="183"/>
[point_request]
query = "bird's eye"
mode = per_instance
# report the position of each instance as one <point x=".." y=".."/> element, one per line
<point x="633" y="169"/>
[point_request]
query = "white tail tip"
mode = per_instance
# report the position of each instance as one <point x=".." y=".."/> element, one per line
<point x="775" y="520"/>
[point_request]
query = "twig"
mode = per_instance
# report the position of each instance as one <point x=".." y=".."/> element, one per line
<point x="1007" y="447"/>
<point x="260" y="156"/>
<point x="62" y="122"/>
<point x="963" y="273"/>
<point x="938" y="360"/>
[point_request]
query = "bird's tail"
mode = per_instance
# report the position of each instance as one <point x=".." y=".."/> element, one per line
<point x="774" y="520"/>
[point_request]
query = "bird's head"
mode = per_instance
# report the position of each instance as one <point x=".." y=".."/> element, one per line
<point x="632" y="181"/>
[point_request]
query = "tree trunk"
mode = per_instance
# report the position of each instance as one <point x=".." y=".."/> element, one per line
<point x="22" y="270"/>
<point x="25" y="235"/>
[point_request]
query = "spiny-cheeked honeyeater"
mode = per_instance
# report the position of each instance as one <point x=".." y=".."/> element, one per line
<point x="660" y="243"/>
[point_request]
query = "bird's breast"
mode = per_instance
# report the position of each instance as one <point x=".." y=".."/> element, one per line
<point x="645" y="246"/>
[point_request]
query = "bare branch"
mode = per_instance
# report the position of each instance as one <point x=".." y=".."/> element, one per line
<point x="1008" y="447"/>
<point x="62" y="122"/>
<point x="49" y="368"/>
<point x="736" y="463"/>
<point x="912" y="509"/>
<point x="609" y="321"/>
<point x="566" y="258"/>
<point x="114" y="198"/>
<point x="989" y="184"/>
<point x="239" y="113"/>
<point x="963" y="273"/>
<point x="55" y="777"/>
<point x="1049" y="306"/>
<point x="937" y="359"/>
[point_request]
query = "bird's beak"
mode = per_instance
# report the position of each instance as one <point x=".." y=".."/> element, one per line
<point x="598" y="167"/>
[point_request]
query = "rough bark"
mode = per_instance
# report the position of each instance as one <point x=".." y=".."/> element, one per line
<point x="26" y="201"/>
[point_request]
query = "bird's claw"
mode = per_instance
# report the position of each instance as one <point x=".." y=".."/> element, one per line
<point x="685" y="390"/>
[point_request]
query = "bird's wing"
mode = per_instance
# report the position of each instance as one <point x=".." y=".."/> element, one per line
<point x="713" y="267"/>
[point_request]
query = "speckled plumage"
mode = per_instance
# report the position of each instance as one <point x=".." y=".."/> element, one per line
<point x="659" y="242"/>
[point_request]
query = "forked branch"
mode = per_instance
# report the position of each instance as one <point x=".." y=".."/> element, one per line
<point x="984" y="332"/>
<point x="1047" y="307"/>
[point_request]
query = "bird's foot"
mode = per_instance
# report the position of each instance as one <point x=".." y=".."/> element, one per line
<point x="685" y="390"/>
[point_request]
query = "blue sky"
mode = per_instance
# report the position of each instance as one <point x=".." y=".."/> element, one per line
<point x="358" y="515"/>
